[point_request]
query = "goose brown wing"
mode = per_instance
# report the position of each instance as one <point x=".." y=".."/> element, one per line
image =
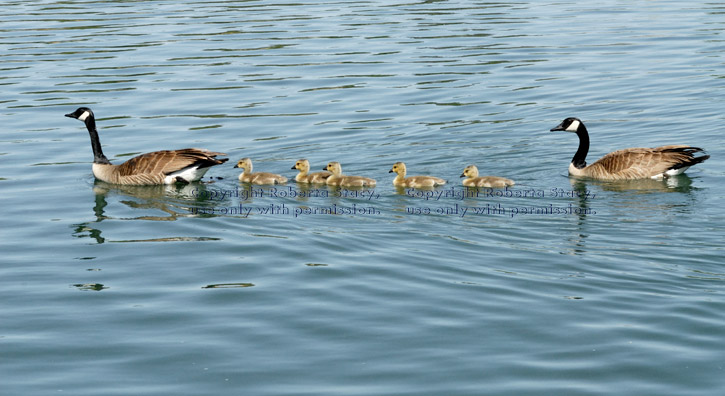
<point x="169" y="161"/>
<point x="643" y="162"/>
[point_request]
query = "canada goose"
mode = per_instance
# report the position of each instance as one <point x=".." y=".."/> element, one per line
<point x="413" y="181"/>
<point x="473" y="180"/>
<point x="338" y="179"/>
<point x="257" y="178"/>
<point x="631" y="163"/>
<point x="304" y="177"/>
<point x="159" y="167"/>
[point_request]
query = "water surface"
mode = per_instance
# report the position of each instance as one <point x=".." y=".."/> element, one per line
<point x="557" y="286"/>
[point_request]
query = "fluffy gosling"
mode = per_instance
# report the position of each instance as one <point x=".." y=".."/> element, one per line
<point x="338" y="179"/>
<point x="473" y="180"/>
<point x="304" y="176"/>
<point x="259" y="177"/>
<point x="413" y="181"/>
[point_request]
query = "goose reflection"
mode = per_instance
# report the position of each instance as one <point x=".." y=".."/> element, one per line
<point x="637" y="199"/>
<point x="174" y="200"/>
<point x="681" y="184"/>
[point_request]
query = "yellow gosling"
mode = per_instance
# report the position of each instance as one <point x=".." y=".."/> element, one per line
<point x="257" y="178"/>
<point x="473" y="180"/>
<point x="413" y="181"/>
<point x="304" y="176"/>
<point x="338" y="179"/>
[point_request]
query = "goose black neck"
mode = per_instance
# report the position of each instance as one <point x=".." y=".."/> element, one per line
<point x="580" y="157"/>
<point x="98" y="157"/>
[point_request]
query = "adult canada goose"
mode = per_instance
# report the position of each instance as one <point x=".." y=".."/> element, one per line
<point x="159" y="167"/>
<point x="413" y="181"/>
<point x="338" y="179"/>
<point x="305" y="177"/>
<point x="259" y="177"/>
<point x="631" y="163"/>
<point x="473" y="180"/>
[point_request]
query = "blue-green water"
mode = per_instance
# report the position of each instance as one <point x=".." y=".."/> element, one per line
<point x="171" y="291"/>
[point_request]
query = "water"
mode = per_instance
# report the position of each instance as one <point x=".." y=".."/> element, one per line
<point x="158" y="291"/>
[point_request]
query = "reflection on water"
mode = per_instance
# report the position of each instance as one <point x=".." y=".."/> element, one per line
<point x="170" y="239"/>
<point x="578" y="238"/>
<point x="90" y="286"/>
<point x="681" y="183"/>
<point x="175" y="200"/>
<point x="633" y="199"/>
<point x="227" y="285"/>
<point x="639" y="199"/>
<point x="469" y="302"/>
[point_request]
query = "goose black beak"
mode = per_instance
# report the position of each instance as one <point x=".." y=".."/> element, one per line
<point x="70" y="115"/>
<point x="559" y="127"/>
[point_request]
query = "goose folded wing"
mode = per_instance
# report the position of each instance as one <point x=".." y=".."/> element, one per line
<point x="644" y="162"/>
<point x="169" y="161"/>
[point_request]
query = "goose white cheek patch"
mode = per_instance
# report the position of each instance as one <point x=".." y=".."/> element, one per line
<point x="83" y="116"/>
<point x="573" y="126"/>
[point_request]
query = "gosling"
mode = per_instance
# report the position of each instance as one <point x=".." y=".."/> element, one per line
<point x="338" y="179"/>
<point x="473" y="180"/>
<point x="305" y="177"/>
<point x="413" y="181"/>
<point x="257" y="178"/>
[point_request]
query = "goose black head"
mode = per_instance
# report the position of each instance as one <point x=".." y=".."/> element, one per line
<point x="81" y="114"/>
<point x="570" y="124"/>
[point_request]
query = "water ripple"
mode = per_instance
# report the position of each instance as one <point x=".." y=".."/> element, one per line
<point x="377" y="304"/>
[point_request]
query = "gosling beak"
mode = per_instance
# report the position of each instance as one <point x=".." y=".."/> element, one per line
<point x="390" y="171"/>
<point x="236" y="166"/>
<point x="463" y="175"/>
<point x="325" y="168"/>
<point x="294" y="167"/>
